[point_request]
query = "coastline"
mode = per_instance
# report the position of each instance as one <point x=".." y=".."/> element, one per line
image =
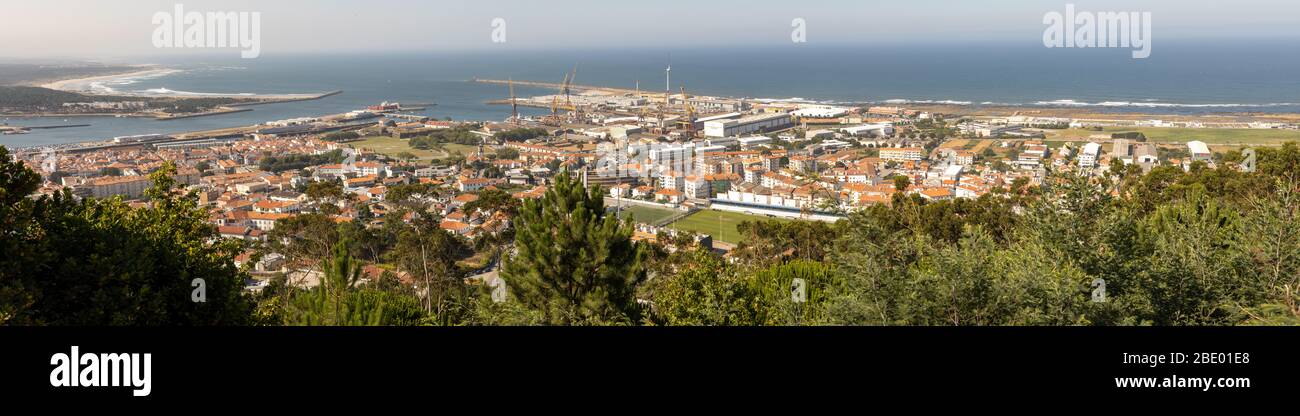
<point x="85" y="85"/>
<point x="81" y="85"/>
<point x="975" y="110"/>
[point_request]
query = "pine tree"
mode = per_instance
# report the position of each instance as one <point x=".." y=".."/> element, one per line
<point x="338" y="301"/>
<point x="574" y="263"/>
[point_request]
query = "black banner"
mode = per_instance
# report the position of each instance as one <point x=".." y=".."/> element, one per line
<point x="193" y="365"/>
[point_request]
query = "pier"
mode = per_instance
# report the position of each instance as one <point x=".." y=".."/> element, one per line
<point x="288" y="99"/>
<point x="203" y="114"/>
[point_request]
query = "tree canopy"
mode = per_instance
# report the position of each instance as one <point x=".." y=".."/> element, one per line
<point x="573" y="263"/>
<point x="102" y="262"/>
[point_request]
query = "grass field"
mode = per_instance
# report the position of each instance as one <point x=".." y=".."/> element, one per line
<point x="954" y="144"/>
<point x="983" y="144"/>
<point x="646" y="214"/>
<point x="719" y="224"/>
<point x="1179" y="135"/>
<point x="390" y="146"/>
<point x="465" y="150"/>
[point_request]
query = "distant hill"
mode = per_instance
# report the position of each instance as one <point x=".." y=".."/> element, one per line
<point x="20" y="97"/>
<point x="37" y="97"/>
<point x="28" y="99"/>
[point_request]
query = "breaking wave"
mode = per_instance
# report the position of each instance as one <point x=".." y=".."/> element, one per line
<point x="1148" y="103"/>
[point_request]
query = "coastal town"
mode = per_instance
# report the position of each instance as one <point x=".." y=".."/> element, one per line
<point x="415" y="202"/>
<point x="672" y="161"/>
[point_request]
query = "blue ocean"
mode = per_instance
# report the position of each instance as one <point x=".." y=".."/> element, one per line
<point x="1183" y="77"/>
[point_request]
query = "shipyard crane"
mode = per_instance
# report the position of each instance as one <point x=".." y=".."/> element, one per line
<point x="690" y="114"/>
<point x="568" y="84"/>
<point x="555" y="101"/>
<point x="663" y="124"/>
<point x="554" y="119"/>
<point x="568" y="100"/>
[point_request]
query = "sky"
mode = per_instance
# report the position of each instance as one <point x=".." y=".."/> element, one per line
<point x="91" y="29"/>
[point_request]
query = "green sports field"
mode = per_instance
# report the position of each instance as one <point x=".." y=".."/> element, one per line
<point x="390" y="146"/>
<point x="647" y="214"/>
<point x="719" y="224"/>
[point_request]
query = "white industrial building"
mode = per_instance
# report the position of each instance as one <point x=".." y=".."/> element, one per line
<point x="699" y="122"/>
<point x="833" y="144"/>
<point x="672" y="157"/>
<point x="722" y="141"/>
<point x="1199" y="151"/>
<point x="821" y="112"/>
<point x="985" y="130"/>
<point x="1088" y="157"/>
<point x="707" y="149"/>
<point x="902" y="153"/>
<point x="749" y="142"/>
<point x="818" y="134"/>
<point x="882" y="129"/>
<point x="746" y="125"/>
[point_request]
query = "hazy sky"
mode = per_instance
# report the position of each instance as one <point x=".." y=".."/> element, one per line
<point x="105" y="29"/>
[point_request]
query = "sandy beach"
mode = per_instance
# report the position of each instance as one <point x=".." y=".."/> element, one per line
<point x="85" y="85"/>
<point x="105" y="85"/>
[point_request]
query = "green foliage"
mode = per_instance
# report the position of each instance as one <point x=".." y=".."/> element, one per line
<point x="766" y="241"/>
<point x="37" y="97"/>
<point x="507" y="153"/>
<point x="279" y="164"/>
<point x="1282" y="163"/>
<point x="703" y="291"/>
<point x="304" y="238"/>
<point x="1197" y="272"/>
<point x="459" y="135"/>
<point x="1132" y="135"/>
<point x="1200" y="255"/>
<point x="337" y="301"/>
<point x="771" y="298"/>
<point x="194" y="105"/>
<point x="1202" y="247"/>
<point x="403" y="193"/>
<point x="494" y="199"/>
<point x="429" y="254"/>
<point x="486" y="312"/>
<point x="101" y="262"/>
<point x="901" y="183"/>
<point x="521" y="134"/>
<point x="1167" y="184"/>
<point x="575" y="264"/>
<point x="341" y="136"/>
<point x="325" y="191"/>
<point x="21" y="233"/>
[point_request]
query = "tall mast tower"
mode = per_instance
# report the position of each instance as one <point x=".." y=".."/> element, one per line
<point x="668" y="75"/>
<point x="514" y="103"/>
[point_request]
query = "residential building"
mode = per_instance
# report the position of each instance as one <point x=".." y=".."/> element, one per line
<point x="902" y="153"/>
